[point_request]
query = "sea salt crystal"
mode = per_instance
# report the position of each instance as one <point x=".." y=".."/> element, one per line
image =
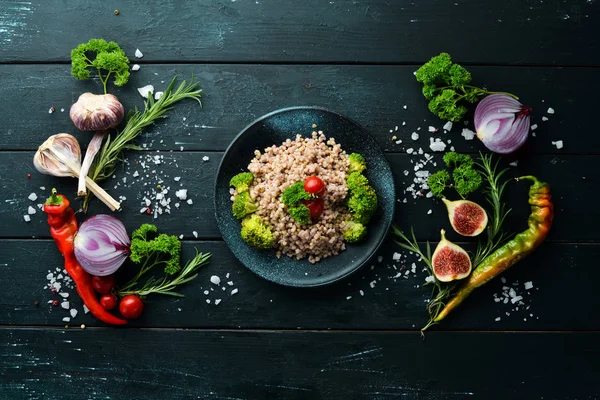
<point x="65" y="305"/>
<point x="447" y="126"/>
<point x="430" y="278"/>
<point x="516" y="299"/>
<point x="63" y="294"/>
<point x="514" y="163"/>
<point x="205" y="158"/>
<point x="85" y="309"/>
<point x="208" y="301"/>
<point x="206" y="292"/>
<point x="405" y="107"/>
<point x="544" y="118"/>
<point x="66" y="319"/>
<point x="468" y="134"/>
<point x="436" y="145"/>
<point x="143" y="91"/>
<point x="217" y="301"/>
<point x="143" y="210"/>
<point x="234" y="291"/>
<point x="31" y="210"/>
<point x="502" y="279"/>
<point x="195" y="234"/>
<point x="429" y="212"/>
<point x="396" y="256"/>
<point x="27" y="218"/>
<point x="534" y="127"/>
<point x="215" y="280"/>
<point x="410" y="151"/>
<point x="372" y="284"/>
<point x="431" y="129"/>
<point x="528" y="285"/>
<point x="73" y="312"/>
<point x="181" y="194"/>
<point x="138" y="53"/>
<point x="157" y="96"/>
<point x="379" y="259"/>
<point x="497" y="319"/>
<point x="189" y="201"/>
<point x="550" y="110"/>
<point x="135" y="67"/>
<point x="181" y="236"/>
<point x="177" y="178"/>
<point x="558" y="144"/>
<point x="32" y="197"/>
<point x="414" y="136"/>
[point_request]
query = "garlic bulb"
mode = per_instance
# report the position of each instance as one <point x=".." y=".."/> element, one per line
<point x="94" y="112"/>
<point x="60" y="155"/>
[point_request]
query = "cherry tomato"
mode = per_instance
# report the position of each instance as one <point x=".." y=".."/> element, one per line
<point x="131" y="306"/>
<point x="315" y="206"/>
<point x="108" y="301"/>
<point x="103" y="284"/>
<point x="314" y="185"/>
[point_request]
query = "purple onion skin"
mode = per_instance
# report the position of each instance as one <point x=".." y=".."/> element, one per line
<point x="502" y="123"/>
<point x="101" y="245"/>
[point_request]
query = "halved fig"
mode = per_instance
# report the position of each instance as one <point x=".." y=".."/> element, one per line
<point x="467" y="218"/>
<point x="450" y="261"/>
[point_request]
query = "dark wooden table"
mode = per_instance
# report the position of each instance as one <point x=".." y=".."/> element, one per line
<point x="358" y="339"/>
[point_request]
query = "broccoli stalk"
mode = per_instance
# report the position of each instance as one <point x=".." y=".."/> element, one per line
<point x="256" y="233"/>
<point x="243" y="205"/>
<point x="149" y="250"/>
<point x="446" y="86"/>
<point x="109" y="60"/>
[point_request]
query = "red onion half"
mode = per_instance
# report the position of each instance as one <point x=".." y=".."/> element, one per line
<point x="101" y="244"/>
<point x="502" y="123"/>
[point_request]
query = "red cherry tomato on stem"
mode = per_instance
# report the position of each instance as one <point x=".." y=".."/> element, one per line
<point x="314" y="185"/>
<point x="131" y="306"/>
<point x="315" y="206"/>
<point x="103" y="284"/>
<point x="108" y="301"/>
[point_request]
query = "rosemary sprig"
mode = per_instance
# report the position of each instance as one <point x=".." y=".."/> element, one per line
<point x="494" y="192"/>
<point x="167" y="284"/>
<point x="105" y="164"/>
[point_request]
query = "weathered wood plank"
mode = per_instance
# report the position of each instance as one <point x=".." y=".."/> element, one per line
<point x="110" y="363"/>
<point x="374" y="298"/>
<point x="235" y="95"/>
<point x="561" y="32"/>
<point x="568" y="175"/>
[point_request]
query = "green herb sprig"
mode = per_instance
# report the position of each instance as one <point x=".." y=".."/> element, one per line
<point x="108" y="59"/>
<point x="105" y="164"/>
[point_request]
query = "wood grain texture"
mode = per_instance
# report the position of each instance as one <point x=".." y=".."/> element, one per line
<point x="127" y="363"/>
<point x="373" y="298"/>
<point x="235" y="95"/>
<point x="513" y="32"/>
<point x="572" y="183"/>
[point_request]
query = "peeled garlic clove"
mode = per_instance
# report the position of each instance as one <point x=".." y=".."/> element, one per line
<point x="59" y="155"/>
<point x="450" y="261"/>
<point x="466" y="217"/>
<point x="94" y="112"/>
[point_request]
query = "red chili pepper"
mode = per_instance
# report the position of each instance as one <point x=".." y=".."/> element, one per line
<point x="63" y="227"/>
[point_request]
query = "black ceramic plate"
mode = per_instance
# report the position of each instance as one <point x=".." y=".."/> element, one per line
<point x="274" y="128"/>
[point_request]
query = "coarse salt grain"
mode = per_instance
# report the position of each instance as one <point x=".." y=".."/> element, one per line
<point x="429" y="212"/>
<point x="195" y="234"/>
<point x="544" y="118"/>
<point x="85" y="309"/>
<point x="65" y="305"/>
<point x="514" y="163"/>
<point x="234" y="291"/>
<point x="135" y="67"/>
<point x="396" y="256"/>
<point x="436" y="145"/>
<point x="550" y="110"/>
<point x="158" y="95"/>
<point x="73" y="312"/>
<point x="534" y="127"/>
<point x="558" y="144"/>
<point x="181" y="194"/>
<point x="143" y="91"/>
<point x="189" y="201"/>
<point x="31" y="210"/>
<point x="32" y="197"/>
<point x="27" y="218"/>
<point x="430" y="278"/>
<point x="66" y="319"/>
<point x="447" y="126"/>
<point x="215" y="280"/>
<point x="468" y="134"/>
<point x="528" y="285"/>
<point x="497" y="319"/>
<point x="217" y="301"/>
<point x="205" y="158"/>
<point x="138" y="53"/>
<point x="414" y="136"/>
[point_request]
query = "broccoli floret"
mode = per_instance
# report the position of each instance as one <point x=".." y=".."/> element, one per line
<point x="109" y="59"/>
<point x="362" y="204"/>
<point x="357" y="163"/>
<point x="356" y="181"/>
<point x="446" y="85"/>
<point x="354" y="232"/>
<point x="438" y="182"/>
<point x="466" y="180"/>
<point x="300" y="213"/>
<point x="256" y="233"/>
<point x="455" y="160"/>
<point x="294" y="194"/>
<point x="242" y="181"/>
<point x="243" y="205"/>
<point x="161" y="249"/>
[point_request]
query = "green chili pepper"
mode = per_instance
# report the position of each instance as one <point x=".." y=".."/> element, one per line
<point x="540" y="221"/>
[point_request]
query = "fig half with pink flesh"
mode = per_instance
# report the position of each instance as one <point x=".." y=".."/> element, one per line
<point x="467" y="218"/>
<point x="450" y="261"/>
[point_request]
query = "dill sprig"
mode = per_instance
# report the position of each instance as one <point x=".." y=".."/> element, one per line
<point x="168" y="283"/>
<point x="106" y="162"/>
